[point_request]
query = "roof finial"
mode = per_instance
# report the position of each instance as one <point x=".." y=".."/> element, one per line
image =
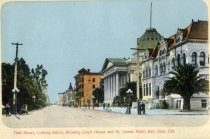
<point x="151" y="15"/>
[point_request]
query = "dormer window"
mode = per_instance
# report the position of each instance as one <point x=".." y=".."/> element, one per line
<point x="179" y="36"/>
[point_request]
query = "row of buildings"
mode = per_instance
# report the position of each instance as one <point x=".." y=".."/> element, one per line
<point x="154" y="57"/>
<point x="82" y="95"/>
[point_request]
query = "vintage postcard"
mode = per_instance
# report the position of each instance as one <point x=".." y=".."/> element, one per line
<point x="129" y="69"/>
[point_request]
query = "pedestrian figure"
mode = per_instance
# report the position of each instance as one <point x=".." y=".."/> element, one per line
<point x="139" y="108"/>
<point x="143" y="107"/>
<point x="7" y="109"/>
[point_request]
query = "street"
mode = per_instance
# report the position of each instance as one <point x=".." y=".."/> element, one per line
<point x="57" y="117"/>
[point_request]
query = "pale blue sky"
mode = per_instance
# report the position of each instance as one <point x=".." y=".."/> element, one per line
<point x="67" y="36"/>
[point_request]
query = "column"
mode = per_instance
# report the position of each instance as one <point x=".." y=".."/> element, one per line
<point x="117" y="83"/>
<point x="105" y="89"/>
<point x="111" y="88"/>
<point x="109" y="82"/>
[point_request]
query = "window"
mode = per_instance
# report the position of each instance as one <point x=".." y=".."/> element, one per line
<point x="173" y="63"/>
<point x="156" y="70"/>
<point x="164" y="67"/>
<point x="94" y="86"/>
<point x="178" y="60"/>
<point x="194" y="58"/>
<point x="161" y="68"/>
<point x="183" y="59"/>
<point x="202" y="59"/>
<point x="146" y="72"/>
<point x="150" y="89"/>
<point x="149" y="72"/>
<point x="168" y="65"/>
<point x="146" y="89"/>
<point x="157" y="92"/>
<point x="93" y="80"/>
<point x="203" y="103"/>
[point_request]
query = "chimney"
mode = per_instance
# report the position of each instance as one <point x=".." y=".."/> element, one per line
<point x="88" y="70"/>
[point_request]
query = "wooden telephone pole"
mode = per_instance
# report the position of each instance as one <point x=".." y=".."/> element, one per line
<point x="15" y="90"/>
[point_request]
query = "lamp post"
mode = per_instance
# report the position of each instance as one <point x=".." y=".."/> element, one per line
<point x="129" y="94"/>
<point x="93" y="97"/>
<point x="15" y="90"/>
<point x="138" y="76"/>
<point x="124" y="100"/>
<point x="34" y="97"/>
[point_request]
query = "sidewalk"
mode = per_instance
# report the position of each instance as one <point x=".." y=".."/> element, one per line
<point x="153" y="111"/>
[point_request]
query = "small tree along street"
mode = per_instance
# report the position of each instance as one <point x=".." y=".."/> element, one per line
<point x="123" y="98"/>
<point x="185" y="81"/>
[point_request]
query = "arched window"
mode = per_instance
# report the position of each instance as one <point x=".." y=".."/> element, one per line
<point x="156" y="70"/>
<point x="143" y="73"/>
<point x="164" y="67"/>
<point x="194" y="58"/>
<point x="157" y="92"/>
<point x="146" y="72"/>
<point x="161" y="68"/>
<point x="178" y="60"/>
<point x="149" y="72"/>
<point x="202" y="59"/>
<point x="168" y="65"/>
<point x="183" y="59"/>
<point x="173" y="63"/>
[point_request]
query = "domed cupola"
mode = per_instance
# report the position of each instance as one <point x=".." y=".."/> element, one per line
<point x="149" y="39"/>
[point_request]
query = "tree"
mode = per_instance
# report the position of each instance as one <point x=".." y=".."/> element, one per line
<point x="25" y="83"/>
<point x="7" y="83"/>
<point x="185" y="81"/>
<point x="123" y="98"/>
<point x="38" y="76"/>
<point x="99" y="95"/>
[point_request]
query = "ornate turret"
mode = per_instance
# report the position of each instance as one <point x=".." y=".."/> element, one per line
<point x="149" y="39"/>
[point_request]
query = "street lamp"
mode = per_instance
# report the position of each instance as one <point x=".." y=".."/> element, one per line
<point x="93" y="97"/>
<point x="124" y="100"/>
<point x="129" y="94"/>
<point x="34" y="97"/>
<point x="138" y="75"/>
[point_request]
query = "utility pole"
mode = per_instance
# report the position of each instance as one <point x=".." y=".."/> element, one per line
<point x="15" y="90"/>
<point x="138" y="95"/>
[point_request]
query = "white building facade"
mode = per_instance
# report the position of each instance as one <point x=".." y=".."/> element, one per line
<point x="115" y="77"/>
<point x="189" y="45"/>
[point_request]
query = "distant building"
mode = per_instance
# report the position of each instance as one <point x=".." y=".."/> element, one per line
<point x="67" y="98"/>
<point x="60" y="99"/>
<point x="86" y="82"/>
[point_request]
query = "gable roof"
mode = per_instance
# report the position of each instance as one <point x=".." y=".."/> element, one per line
<point x="120" y="62"/>
<point x="196" y="30"/>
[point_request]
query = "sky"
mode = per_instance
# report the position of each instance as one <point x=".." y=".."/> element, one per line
<point x="67" y="36"/>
